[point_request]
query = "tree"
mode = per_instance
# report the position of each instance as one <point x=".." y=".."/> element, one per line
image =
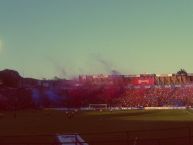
<point x="10" y="78"/>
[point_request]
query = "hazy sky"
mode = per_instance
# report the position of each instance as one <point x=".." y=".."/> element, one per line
<point x="47" y="38"/>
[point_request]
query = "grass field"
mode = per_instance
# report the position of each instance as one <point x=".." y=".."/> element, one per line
<point x="139" y="127"/>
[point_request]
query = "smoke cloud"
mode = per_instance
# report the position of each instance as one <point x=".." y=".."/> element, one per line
<point x="61" y="69"/>
<point x="70" y="72"/>
<point x="58" y="67"/>
<point x="107" y="65"/>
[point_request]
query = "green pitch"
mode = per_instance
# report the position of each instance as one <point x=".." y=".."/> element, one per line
<point x="158" y="127"/>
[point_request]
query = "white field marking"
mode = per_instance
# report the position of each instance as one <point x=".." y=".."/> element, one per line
<point x="70" y="139"/>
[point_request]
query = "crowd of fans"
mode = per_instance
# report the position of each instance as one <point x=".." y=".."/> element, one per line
<point x="15" y="98"/>
<point x="19" y="93"/>
<point x="24" y="93"/>
<point x="158" y="96"/>
<point x="155" y="96"/>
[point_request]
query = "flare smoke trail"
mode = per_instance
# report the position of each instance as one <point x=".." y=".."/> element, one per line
<point x="107" y="65"/>
<point x="58" y="67"/>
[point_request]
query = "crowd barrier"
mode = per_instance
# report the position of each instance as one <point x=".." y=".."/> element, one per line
<point x="119" y="108"/>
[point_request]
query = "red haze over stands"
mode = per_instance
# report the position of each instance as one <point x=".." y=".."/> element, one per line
<point x="145" y="90"/>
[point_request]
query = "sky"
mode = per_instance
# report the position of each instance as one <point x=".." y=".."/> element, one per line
<point x="65" y="38"/>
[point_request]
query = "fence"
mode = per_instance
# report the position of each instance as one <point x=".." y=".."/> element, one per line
<point x="168" y="136"/>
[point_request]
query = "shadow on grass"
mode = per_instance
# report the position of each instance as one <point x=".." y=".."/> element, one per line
<point x="145" y="133"/>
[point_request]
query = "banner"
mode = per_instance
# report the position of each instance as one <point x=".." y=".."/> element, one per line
<point x="143" y="81"/>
